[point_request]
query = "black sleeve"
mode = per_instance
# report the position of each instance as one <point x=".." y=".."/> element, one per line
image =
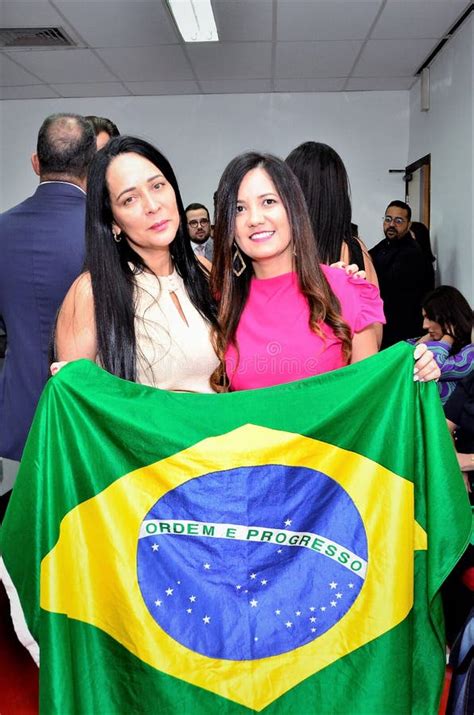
<point x="460" y="406"/>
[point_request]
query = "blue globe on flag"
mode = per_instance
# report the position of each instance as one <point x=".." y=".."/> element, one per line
<point x="267" y="570"/>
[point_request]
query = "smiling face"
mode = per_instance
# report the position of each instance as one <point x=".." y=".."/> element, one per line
<point x="262" y="229"/>
<point x="143" y="205"/>
<point x="434" y="329"/>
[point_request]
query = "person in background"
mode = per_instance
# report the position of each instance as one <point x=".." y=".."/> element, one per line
<point x="199" y="230"/>
<point x="42" y="250"/>
<point x="447" y="318"/>
<point x="421" y="234"/>
<point x="323" y="178"/>
<point x="400" y="266"/>
<point x="104" y="129"/>
<point x="143" y="309"/>
<point x="282" y="315"/>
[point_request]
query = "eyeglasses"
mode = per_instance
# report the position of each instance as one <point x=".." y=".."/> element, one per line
<point x="398" y="220"/>
<point x="194" y="223"/>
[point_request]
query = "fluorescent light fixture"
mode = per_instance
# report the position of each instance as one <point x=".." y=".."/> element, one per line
<point x="195" y="20"/>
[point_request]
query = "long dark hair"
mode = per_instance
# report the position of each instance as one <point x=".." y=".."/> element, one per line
<point x="325" y="185"/>
<point x="112" y="265"/>
<point x="448" y="307"/>
<point x="422" y="237"/>
<point x="233" y="291"/>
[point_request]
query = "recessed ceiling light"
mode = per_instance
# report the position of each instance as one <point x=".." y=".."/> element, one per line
<point x="195" y="20"/>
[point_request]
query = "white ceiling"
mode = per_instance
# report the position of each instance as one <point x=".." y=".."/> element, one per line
<point x="131" y="47"/>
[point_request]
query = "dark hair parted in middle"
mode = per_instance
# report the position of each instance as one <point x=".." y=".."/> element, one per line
<point x="233" y="290"/>
<point x="325" y="185"/>
<point x="113" y="265"/>
<point x="447" y="306"/>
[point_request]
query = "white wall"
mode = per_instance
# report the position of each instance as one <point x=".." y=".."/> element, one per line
<point x="200" y="134"/>
<point x="447" y="133"/>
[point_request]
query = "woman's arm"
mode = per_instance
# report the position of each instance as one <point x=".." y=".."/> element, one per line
<point x="453" y="367"/>
<point x="75" y="328"/>
<point x="364" y="344"/>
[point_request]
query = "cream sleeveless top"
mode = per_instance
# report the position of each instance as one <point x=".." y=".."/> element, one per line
<point x="171" y="354"/>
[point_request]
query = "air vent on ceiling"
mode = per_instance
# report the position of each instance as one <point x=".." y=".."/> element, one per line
<point x="34" y="37"/>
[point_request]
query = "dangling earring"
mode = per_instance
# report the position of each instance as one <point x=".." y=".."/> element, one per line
<point x="117" y="236"/>
<point x="238" y="257"/>
<point x="294" y="250"/>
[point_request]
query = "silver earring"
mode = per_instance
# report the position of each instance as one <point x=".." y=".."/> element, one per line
<point x="237" y="271"/>
<point x="117" y="236"/>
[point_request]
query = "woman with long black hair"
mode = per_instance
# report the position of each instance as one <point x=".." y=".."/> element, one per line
<point x="323" y="179"/>
<point x="283" y="315"/>
<point x="142" y="309"/>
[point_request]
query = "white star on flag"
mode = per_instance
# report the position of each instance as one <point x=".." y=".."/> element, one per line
<point x="189" y="610"/>
<point x="207" y="566"/>
<point x="333" y="584"/>
<point x="169" y="591"/>
<point x="277" y="612"/>
<point x="155" y="547"/>
<point x="288" y="624"/>
<point x="338" y="595"/>
<point x="238" y="587"/>
<point x="323" y="608"/>
<point x="253" y="575"/>
<point x="297" y="613"/>
<point x="264" y="581"/>
<point x="312" y="619"/>
<point x="288" y="522"/>
<point x="158" y="602"/>
<point x="192" y="599"/>
<point x="313" y="630"/>
<point x="254" y="603"/>
<point x="312" y="608"/>
<point x="333" y="603"/>
<point x="207" y="619"/>
<point x="351" y="585"/>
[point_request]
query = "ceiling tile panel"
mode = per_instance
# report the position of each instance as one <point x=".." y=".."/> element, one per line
<point x="244" y="20"/>
<point x="417" y="18"/>
<point x="315" y="59"/>
<point x="322" y="84"/>
<point x="147" y="64"/>
<point x="252" y="60"/>
<point x="28" y="13"/>
<point x="379" y="83"/>
<point x="329" y="20"/>
<point x="106" y="23"/>
<point x="11" y="74"/>
<point x="237" y="86"/>
<point x="91" y="89"/>
<point x="35" y="91"/>
<point x="392" y="58"/>
<point x="163" y="88"/>
<point x="56" y="66"/>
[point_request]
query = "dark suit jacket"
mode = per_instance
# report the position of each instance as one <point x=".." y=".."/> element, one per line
<point x="400" y="266"/>
<point x="41" y="253"/>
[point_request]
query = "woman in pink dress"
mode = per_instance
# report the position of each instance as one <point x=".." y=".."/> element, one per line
<point x="282" y="315"/>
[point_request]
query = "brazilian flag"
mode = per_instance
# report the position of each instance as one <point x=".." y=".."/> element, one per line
<point x="274" y="551"/>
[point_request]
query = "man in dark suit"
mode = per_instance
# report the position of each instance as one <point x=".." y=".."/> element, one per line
<point x="400" y="267"/>
<point x="41" y="253"/>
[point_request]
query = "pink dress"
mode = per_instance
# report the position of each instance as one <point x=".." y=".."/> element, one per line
<point x="275" y="342"/>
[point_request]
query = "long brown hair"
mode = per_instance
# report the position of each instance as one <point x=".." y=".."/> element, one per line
<point x="232" y="291"/>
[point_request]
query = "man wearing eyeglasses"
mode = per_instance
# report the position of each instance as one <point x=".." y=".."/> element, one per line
<point x="400" y="267"/>
<point x="199" y="230"/>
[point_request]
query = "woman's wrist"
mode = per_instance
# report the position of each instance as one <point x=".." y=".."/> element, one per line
<point x="466" y="462"/>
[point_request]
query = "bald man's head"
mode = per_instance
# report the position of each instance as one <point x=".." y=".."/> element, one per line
<point x="66" y="146"/>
